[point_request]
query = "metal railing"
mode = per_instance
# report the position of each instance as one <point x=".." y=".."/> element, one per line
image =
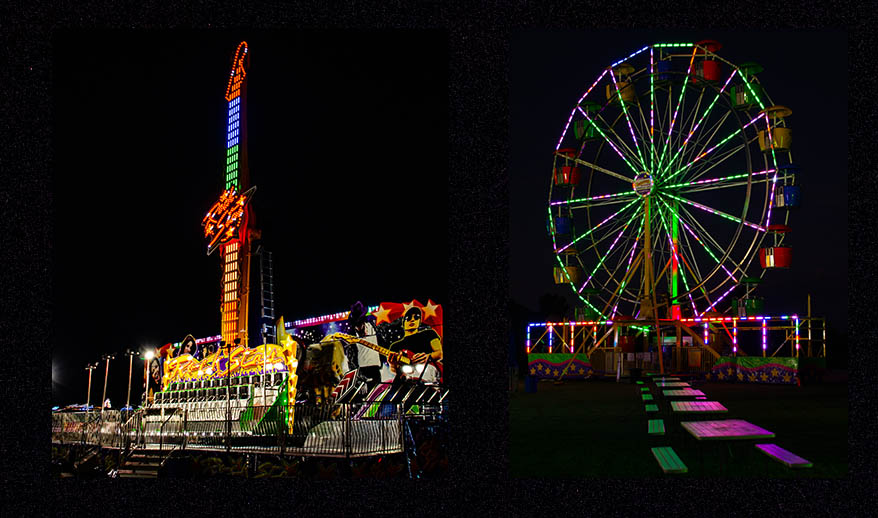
<point x="339" y="430"/>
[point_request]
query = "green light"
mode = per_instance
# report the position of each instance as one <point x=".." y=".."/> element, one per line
<point x="595" y="126"/>
<point x="672" y="45"/>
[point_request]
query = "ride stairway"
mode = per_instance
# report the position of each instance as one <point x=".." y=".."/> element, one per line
<point x="142" y="463"/>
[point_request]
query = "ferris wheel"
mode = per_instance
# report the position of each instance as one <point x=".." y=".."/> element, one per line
<point x="672" y="175"/>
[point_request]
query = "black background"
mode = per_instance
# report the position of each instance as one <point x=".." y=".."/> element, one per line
<point x="478" y="279"/>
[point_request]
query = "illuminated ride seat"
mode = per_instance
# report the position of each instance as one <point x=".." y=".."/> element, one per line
<point x="787" y="195"/>
<point x="748" y="93"/>
<point x="583" y="129"/>
<point x="781" y="137"/>
<point x="748" y="306"/>
<point x="707" y="70"/>
<point x="566" y="172"/>
<point x="623" y="88"/>
<point x="776" y="256"/>
<point x="567" y="272"/>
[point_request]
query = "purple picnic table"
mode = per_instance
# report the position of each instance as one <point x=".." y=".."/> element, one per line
<point x="725" y="429"/>
<point x="672" y="384"/>
<point x="682" y="393"/>
<point x="697" y="406"/>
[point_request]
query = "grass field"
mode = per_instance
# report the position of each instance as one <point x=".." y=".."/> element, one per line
<point x="598" y="428"/>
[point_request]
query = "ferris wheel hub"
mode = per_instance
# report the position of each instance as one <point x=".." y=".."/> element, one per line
<point x="643" y="184"/>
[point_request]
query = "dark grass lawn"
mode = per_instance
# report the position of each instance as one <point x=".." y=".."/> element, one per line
<point x="599" y="429"/>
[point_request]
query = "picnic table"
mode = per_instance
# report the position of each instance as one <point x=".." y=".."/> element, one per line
<point x="728" y="432"/>
<point x="672" y="384"/>
<point x="682" y="393"/>
<point x="725" y="429"/>
<point x="697" y="407"/>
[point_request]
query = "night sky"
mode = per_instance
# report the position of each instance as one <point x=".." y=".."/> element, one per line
<point x="347" y="147"/>
<point x="806" y="71"/>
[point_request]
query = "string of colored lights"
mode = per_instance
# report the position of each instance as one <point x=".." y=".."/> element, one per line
<point x="651" y="110"/>
<point x="715" y="180"/>
<point x="592" y="198"/>
<point x="676" y="259"/>
<point x="625" y="275"/>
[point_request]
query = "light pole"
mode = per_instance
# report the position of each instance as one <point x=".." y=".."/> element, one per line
<point x="89" y="368"/>
<point x="148" y="356"/>
<point x="131" y="355"/>
<point x="106" y="357"/>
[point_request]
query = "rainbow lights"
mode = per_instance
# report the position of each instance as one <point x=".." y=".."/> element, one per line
<point x="324" y="319"/>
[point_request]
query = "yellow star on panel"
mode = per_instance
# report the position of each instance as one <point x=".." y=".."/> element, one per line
<point x="752" y="377"/>
<point x="555" y="372"/>
<point x="786" y="378"/>
<point x="540" y="367"/>
<point x="533" y="370"/>
<point x="707" y="376"/>
<point x="382" y="314"/>
<point x="741" y="376"/>
<point x="410" y="305"/>
<point x="581" y="370"/>
<point x="430" y="309"/>
<point x="764" y="377"/>
<point x="774" y="372"/>
<point x="730" y="371"/>
<point x="720" y="375"/>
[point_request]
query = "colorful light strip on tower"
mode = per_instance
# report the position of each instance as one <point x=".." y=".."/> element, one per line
<point x="764" y="338"/>
<point x="233" y="96"/>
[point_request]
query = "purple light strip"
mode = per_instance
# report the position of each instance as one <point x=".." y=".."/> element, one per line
<point x="627" y="119"/>
<point x="717" y="212"/>
<point x="567" y="126"/>
<point x="627" y="268"/>
<point x="611" y="216"/>
<point x="714" y="180"/>
<point x="651" y="109"/>
<point x="593" y="198"/>
<point x="629" y="57"/>
<point x="677" y="109"/>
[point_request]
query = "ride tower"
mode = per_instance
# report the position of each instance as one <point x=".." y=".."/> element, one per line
<point x="228" y="224"/>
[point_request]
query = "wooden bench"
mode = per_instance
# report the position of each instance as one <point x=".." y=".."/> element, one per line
<point x="646" y="397"/>
<point x="652" y="408"/>
<point x="656" y="427"/>
<point x="781" y="455"/>
<point x="668" y="460"/>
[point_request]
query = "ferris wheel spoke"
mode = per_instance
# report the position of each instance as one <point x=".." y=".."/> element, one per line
<point x="651" y="110"/>
<point x="630" y="270"/>
<point x="716" y="212"/>
<point x="676" y="111"/>
<point x="586" y="201"/>
<point x="629" y="153"/>
<point x="702" y="140"/>
<point x="596" y="227"/>
<point x="703" y="116"/>
<point x="604" y="170"/>
<point x="610" y="250"/>
<point x="607" y="139"/>
<point x="628" y="120"/>
<point x="712" y="149"/>
<point x="678" y="259"/>
<point x="734" y="180"/>
<point x="709" y="164"/>
<point x="595" y="242"/>
<point x="705" y="239"/>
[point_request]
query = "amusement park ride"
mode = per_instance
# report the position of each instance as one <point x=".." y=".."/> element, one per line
<point x="672" y="175"/>
<point x="222" y="393"/>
